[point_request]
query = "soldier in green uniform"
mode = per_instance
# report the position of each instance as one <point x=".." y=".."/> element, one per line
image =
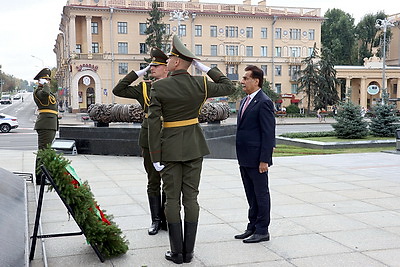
<point x="46" y="124"/>
<point x="177" y="144"/>
<point x="141" y="92"/>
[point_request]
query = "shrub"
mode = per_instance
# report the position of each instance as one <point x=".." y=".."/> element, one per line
<point x="292" y="109"/>
<point x="350" y="123"/>
<point x="383" y="123"/>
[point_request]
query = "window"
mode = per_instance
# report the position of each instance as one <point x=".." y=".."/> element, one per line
<point x="278" y="33"/>
<point x="143" y="65"/>
<point x="249" y="51"/>
<point x="310" y="51"/>
<point x="249" y="32"/>
<point x="232" y="50"/>
<point x="293" y="88"/>
<point x="213" y="66"/>
<point x="95" y="28"/>
<point x="231" y="31"/>
<point x="198" y="50"/>
<point x="123" y="68"/>
<point x="198" y="29"/>
<point x="264" y="51"/>
<point x="122" y="48"/>
<point x="295" y="34"/>
<point x="264" y="69"/>
<point x="214" y="50"/>
<point x="278" y="51"/>
<point x="264" y="33"/>
<point x="294" y="51"/>
<point x="78" y="48"/>
<point x="143" y="48"/>
<point x="166" y="47"/>
<point x="182" y="30"/>
<point x="311" y="34"/>
<point x="278" y="70"/>
<point x="278" y="88"/>
<point x="123" y="27"/>
<point x="213" y="31"/>
<point x="95" y="47"/>
<point x="142" y="28"/>
<point x="293" y="72"/>
<point x="167" y="28"/>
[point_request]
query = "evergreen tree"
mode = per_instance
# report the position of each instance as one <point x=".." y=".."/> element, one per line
<point x="350" y="123"/>
<point x="239" y="93"/>
<point x="383" y="123"/>
<point x="308" y="80"/>
<point x="326" y="93"/>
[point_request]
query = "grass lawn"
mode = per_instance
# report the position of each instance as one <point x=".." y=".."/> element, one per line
<point x="335" y="139"/>
<point x="285" y="150"/>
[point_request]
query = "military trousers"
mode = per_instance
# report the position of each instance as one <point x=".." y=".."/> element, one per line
<point x="45" y="138"/>
<point x="181" y="181"/>
<point x="153" y="176"/>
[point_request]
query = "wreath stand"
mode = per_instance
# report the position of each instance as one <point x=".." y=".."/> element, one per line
<point x="35" y="236"/>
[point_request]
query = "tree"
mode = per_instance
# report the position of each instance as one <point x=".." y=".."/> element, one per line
<point x="239" y="93"/>
<point x="384" y="122"/>
<point x="338" y="35"/>
<point x="156" y="34"/>
<point x="308" y="80"/>
<point x="368" y="35"/>
<point x="350" y="123"/>
<point x="326" y="93"/>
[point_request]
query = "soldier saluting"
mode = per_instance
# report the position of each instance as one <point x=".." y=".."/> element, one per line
<point x="177" y="144"/>
<point x="46" y="124"/>
<point x="141" y="92"/>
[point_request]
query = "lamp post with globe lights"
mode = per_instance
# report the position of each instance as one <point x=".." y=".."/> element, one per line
<point x="179" y="15"/>
<point x="384" y="24"/>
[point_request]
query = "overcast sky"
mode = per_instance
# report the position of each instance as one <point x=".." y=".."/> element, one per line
<point x="28" y="29"/>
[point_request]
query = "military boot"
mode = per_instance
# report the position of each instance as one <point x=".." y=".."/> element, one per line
<point x="176" y="243"/>
<point x="189" y="240"/>
<point x="155" y="207"/>
<point x="162" y="212"/>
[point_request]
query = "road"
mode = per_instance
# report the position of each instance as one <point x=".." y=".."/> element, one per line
<point x="25" y="138"/>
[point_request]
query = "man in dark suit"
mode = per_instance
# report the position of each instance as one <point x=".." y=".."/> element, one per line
<point x="255" y="141"/>
<point x="177" y="143"/>
<point x="141" y="92"/>
<point x="46" y="124"/>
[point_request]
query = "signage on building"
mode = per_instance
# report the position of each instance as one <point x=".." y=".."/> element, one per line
<point x="83" y="67"/>
<point x="373" y="89"/>
<point x="86" y="80"/>
<point x="287" y="95"/>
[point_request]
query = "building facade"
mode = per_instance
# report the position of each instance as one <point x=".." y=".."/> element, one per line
<point x="102" y="40"/>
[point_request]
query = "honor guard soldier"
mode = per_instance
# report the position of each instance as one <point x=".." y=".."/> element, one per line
<point x="46" y="124"/>
<point x="177" y="144"/>
<point x="141" y="92"/>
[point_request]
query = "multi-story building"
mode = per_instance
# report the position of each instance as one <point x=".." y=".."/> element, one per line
<point x="102" y="40"/>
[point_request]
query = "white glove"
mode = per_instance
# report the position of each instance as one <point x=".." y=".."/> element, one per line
<point x="43" y="81"/>
<point x="200" y="66"/>
<point x="142" y="71"/>
<point x="158" y="166"/>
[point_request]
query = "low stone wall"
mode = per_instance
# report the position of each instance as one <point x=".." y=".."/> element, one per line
<point x="123" y="141"/>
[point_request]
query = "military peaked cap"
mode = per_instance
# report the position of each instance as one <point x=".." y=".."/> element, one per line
<point x="157" y="57"/>
<point x="43" y="74"/>
<point x="180" y="50"/>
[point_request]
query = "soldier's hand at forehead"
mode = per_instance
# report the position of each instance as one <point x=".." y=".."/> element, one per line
<point x="142" y="71"/>
<point x="200" y="66"/>
<point x="43" y="81"/>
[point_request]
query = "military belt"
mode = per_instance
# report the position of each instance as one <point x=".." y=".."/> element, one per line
<point x="48" y="111"/>
<point x="170" y="124"/>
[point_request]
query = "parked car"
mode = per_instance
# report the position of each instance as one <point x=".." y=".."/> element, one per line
<point x="17" y="97"/>
<point x="7" y="123"/>
<point x="5" y="99"/>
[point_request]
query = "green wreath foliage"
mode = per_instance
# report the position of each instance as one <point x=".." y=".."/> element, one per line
<point x="107" y="237"/>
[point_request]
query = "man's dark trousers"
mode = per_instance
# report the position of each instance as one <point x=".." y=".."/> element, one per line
<point x="258" y="197"/>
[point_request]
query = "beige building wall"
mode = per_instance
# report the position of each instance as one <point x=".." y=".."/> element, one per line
<point x="89" y="49"/>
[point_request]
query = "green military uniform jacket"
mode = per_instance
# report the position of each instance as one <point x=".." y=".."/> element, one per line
<point x="176" y="98"/>
<point x="124" y="89"/>
<point x="46" y="103"/>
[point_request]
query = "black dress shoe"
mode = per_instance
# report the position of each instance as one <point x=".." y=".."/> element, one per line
<point x="256" y="238"/>
<point x="246" y="234"/>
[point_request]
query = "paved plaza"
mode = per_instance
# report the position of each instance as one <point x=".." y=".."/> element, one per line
<point x="327" y="210"/>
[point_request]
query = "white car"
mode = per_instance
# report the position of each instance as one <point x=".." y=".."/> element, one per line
<point x="7" y="123"/>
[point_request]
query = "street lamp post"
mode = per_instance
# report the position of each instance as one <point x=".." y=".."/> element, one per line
<point x="39" y="59"/>
<point x="383" y="24"/>
<point x="179" y="15"/>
